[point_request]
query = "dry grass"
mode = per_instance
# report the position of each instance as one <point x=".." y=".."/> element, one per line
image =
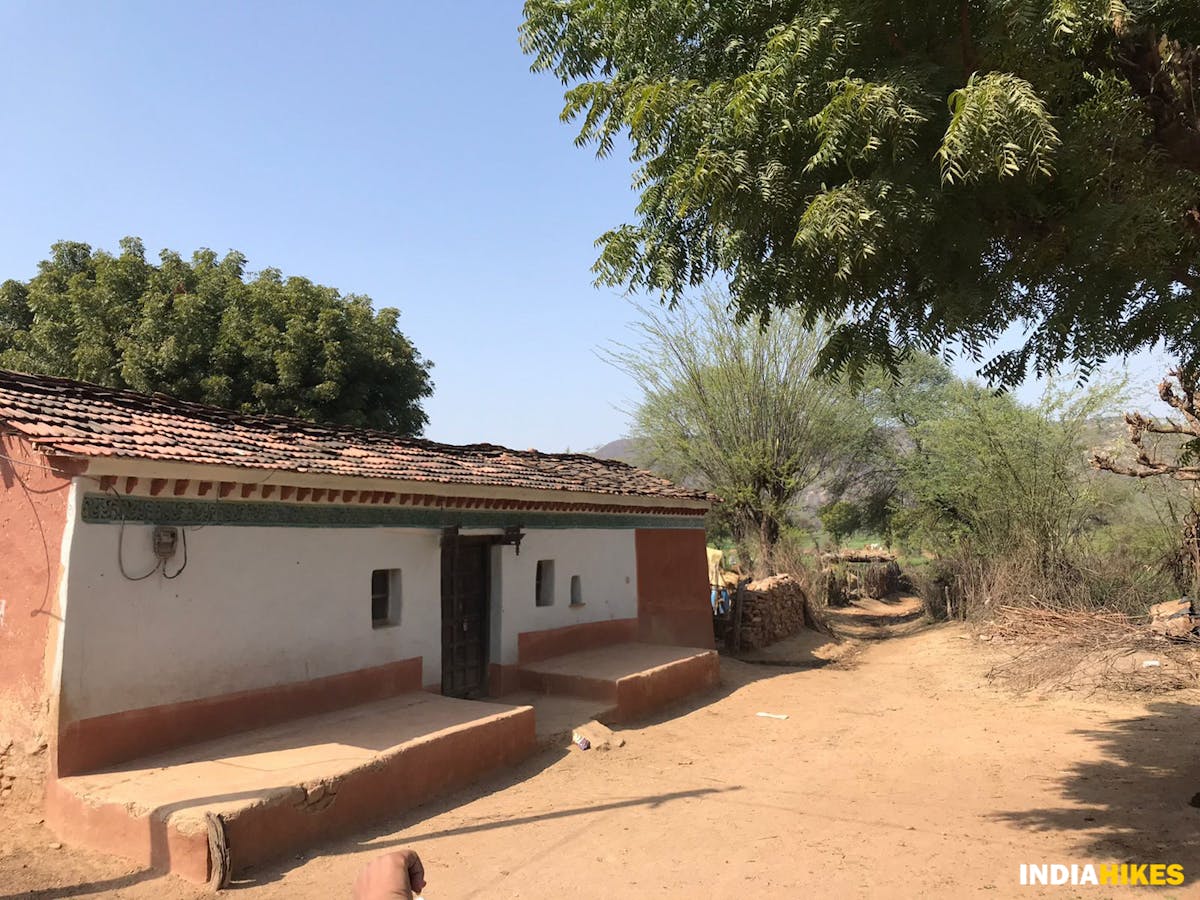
<point x="1051" y="648"/>
<point x="973" y="588"/>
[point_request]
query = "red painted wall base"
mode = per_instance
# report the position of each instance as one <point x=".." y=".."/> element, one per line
<point x="90" y="744"/>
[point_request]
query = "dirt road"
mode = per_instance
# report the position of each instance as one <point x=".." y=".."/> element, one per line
<point x="903" y="776"/>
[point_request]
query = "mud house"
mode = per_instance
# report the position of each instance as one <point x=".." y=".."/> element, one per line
<point x="175" y="573"/>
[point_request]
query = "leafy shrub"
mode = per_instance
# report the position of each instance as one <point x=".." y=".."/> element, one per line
<point x="840" y="519"/>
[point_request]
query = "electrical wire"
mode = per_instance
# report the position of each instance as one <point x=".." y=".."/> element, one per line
<point x="37" y="518"/>
<point x="120" y="535"/>
<point x="183" y="565"/>
<point x="161" y="564"/>
<point x="33" y="465"/>
<point x="121" y="558"/>
<point x="51" y="469"/>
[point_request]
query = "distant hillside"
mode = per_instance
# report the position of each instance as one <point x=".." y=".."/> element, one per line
<point x="621" y="450"/>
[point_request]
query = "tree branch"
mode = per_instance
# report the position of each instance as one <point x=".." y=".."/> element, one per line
<point x="1181" y="397"/>
<point x="970" y="61"/>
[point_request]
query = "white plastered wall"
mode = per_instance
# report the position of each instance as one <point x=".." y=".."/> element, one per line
<point x="604" y="559"/>
<point x="255" y="607"/>
<point x="263" y="606"/>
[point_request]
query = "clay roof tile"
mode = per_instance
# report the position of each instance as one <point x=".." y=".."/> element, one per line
<point x="73" y="417"/>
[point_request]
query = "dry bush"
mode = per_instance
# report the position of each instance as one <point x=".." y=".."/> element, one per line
<point x="805" y="565"/>
<point x="1077" y="625"/>
<point x="973" y="588"/>
<point x="881" y="579"/>
<point x="789" y="555"/>
<point x="1051" y="648"/>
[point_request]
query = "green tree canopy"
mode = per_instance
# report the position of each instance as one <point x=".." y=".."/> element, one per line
<point x="735" y="408"/>
<point x="990" y="475"/>
<point x="840" y="519"/>
<point x="201" y="330"/>
<point x="922" y="172"/>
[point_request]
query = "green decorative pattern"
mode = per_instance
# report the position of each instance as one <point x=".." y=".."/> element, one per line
<point x="106" y="508"/>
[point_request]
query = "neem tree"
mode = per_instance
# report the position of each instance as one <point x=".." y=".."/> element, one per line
<point x="925" y="172"/>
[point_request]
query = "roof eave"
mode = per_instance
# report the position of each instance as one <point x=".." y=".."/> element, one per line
<point x="135" y="467"/>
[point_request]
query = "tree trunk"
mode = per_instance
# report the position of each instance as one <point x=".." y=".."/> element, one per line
<point x="768" y="532"/>
<point x="741" y="529"/>
<point x="768" y="537"/>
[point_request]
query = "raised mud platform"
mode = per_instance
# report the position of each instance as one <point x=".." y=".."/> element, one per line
<point x="282" y="789"/>
<point x="631" y="680"/>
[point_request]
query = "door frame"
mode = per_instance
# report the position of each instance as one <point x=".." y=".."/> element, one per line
<point x="452" y="544"/>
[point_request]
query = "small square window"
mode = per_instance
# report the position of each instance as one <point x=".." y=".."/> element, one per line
<point x="385" y="598"/>
<point x="576" y="591"/>
<point x="544" y="584"/>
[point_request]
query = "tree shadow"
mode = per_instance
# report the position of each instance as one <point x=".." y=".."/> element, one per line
<point x="336" y="840"/>
<point x="1135" y="804"/>
<point x="345" y="841"/>
<point x="105" y="886"/>
<point x="403" y="825"/>
<point x="649" y="801"/>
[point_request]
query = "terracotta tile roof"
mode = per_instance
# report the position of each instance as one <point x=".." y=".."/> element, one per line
<point x="74" y="418"/>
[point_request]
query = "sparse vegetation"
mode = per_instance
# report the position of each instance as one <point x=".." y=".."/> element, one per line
<point x="1169" y="450"/>
<point x="735" y="408"/>
<point x="1004" y="496"/>
<point x="989" y="503"/>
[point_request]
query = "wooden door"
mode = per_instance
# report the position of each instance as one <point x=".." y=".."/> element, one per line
<point x="465" y="616"/>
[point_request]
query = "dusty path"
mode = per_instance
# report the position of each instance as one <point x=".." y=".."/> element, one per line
<point x="905" y="776"/>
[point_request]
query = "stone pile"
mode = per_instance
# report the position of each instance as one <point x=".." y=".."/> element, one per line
<point x="1174" y="619"/>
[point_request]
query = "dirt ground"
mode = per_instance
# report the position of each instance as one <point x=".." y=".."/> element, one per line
<point x="899" y="772"/>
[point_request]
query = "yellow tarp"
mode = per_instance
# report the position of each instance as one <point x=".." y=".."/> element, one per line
<point x="718" y="575"/>
<point x="716" y="567"/>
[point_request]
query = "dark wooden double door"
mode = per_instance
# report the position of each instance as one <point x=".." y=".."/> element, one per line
<point x="465" y="579"/>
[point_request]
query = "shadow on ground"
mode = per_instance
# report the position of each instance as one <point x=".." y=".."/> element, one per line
<point x="1136" y="804"/>
<point x="649" y="801"/>
<point x="407" y="825"/>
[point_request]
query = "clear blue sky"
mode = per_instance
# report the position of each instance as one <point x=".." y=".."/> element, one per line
<point x="397" y="149"/>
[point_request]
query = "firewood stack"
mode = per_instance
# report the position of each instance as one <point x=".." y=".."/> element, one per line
<point x="773" y="610"/>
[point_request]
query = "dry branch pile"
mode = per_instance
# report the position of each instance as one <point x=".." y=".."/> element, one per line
<point x="881" y="579"/>
<point x="1082" y="650"/>
<point x="863" y="555"/>
<point x="773" y="609"/>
